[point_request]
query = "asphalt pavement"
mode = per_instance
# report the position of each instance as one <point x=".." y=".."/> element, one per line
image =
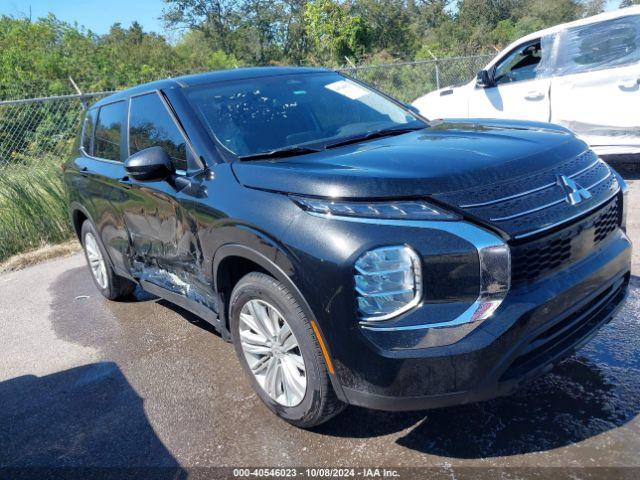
<point x="88" y="382"/>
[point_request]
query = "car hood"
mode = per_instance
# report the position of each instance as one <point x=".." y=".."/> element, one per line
<point x="445" y="157"/>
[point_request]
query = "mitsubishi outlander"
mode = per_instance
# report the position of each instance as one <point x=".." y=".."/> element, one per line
<point x="353" y="251"/>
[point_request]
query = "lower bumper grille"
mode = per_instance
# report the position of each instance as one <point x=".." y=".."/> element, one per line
<point x="560" y="338"/>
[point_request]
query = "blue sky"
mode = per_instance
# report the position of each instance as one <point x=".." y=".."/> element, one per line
<point x="99" y="15"/>
<point x="96" y="15"/>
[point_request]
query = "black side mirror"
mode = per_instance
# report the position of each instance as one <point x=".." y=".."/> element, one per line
<point x="483" y="79"/>
<point x="149" y="164"/>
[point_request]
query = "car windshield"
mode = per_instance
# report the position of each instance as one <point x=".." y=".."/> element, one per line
<point x="260" y="115"/>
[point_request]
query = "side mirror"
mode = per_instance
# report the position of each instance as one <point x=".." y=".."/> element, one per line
<point x="483" y="79"/>
<point x="150" y="164"/>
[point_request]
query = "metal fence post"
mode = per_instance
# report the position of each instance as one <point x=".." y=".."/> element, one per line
<point x="435" y="59"/>
<point x="353" y="65"/>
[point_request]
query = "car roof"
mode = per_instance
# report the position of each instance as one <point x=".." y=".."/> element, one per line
<point x="622" y="12"/>
<point x="206" y="78"/>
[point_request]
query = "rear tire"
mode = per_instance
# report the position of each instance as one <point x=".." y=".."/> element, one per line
<point x="111" y="285"/>
<point x="295" y="353"/>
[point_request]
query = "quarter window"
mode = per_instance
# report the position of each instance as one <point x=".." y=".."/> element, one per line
<point x="151" y="125"/>
<point x="108" y="131"/>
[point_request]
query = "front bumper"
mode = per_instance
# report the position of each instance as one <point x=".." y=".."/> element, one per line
<point x="537" y="325"/>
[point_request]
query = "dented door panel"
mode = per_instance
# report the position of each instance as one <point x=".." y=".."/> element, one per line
<point x="164" y="247"/>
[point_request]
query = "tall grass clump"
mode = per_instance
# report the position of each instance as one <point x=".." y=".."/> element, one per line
<point x="33" y="207"/>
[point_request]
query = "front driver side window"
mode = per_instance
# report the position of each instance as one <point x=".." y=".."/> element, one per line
<point x="150" y="125"/>
<point x="520" y="65"/>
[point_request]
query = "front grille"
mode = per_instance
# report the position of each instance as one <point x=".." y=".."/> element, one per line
<point x="534" y="259"/>
<point x="527" y="206"/>
<point x="559" y="339"/>
<point x="606" y="223"/>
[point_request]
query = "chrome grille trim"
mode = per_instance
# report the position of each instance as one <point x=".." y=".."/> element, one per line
<point x="565" y="220"/>
<point x="527" y="212"/>
<point x="533" y="190"/>
<point x="550" y="204"/>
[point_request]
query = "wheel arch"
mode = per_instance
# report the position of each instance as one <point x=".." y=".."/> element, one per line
<point x="227" y="255"/>
<point x="78" y="216"/>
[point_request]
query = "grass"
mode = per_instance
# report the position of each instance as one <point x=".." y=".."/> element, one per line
<point x="33" y="207"/>
<point x="33" y="257"/>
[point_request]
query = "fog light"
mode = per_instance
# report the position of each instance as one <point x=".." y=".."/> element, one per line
<point x="388" y="282"/>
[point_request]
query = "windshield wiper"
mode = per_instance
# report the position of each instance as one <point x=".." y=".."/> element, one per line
<point x="302" y="150"/>
<point x="385" y="132"/>
<point x="281" y="153"/>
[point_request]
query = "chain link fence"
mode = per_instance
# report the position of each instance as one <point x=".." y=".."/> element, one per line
<point x="40" y="129"/>
<point x="407" y="81"/>
<point x="44" y="129"/>
<point x="37" y="136"/>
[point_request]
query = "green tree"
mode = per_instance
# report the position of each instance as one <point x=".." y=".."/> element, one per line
<point x="216" y="19"/>
<point x="259" y="34"/>
<point x="388" y="25"/>
<point x="295" y="43"/>
<point x="196" y="54"/>
<point x="334" y="32"/>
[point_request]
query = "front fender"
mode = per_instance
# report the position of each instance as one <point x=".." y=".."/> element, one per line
<point x="270" y="266"/>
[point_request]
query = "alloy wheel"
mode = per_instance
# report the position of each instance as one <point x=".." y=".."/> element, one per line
<point x="272" y="352"/>
<point x="96" y="260"/>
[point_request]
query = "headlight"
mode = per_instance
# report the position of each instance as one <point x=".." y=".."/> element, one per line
<point x="396" y="210"/>
<point x="388" y="282"/>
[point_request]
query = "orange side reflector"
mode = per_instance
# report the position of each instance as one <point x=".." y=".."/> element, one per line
<point x="325" y="352"/>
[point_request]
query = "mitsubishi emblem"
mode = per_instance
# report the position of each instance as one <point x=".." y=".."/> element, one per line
<point x="575" y="193"/>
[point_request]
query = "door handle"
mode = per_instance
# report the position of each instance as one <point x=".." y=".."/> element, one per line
<point x="534" y="95"/>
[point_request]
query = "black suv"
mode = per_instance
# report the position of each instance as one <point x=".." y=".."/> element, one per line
<point x="353" y="252"/>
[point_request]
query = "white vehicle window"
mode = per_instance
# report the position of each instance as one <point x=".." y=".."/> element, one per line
<point x="601" y="45"/>
<point x="521" y="64"/>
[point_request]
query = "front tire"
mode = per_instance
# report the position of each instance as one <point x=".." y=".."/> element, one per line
<point x="111" y="285"/>
<point x="279" y="352"/>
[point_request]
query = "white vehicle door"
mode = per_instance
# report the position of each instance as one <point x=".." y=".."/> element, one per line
<point x="519" y="86"/>
<point x="596" y="92"/>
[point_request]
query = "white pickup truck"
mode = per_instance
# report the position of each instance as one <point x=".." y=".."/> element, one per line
<point x="584" y="75"/>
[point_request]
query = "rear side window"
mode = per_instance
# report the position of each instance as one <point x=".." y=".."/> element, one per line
<point x="106" y="143"/>
<point x="87" y="131"/>
<point x="602" y="45"/>
<point x="151" y="125"/>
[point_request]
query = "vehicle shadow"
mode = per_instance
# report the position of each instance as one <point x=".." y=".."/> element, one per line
<point x="592" y="392"/>
<point x="86" y="417"/>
